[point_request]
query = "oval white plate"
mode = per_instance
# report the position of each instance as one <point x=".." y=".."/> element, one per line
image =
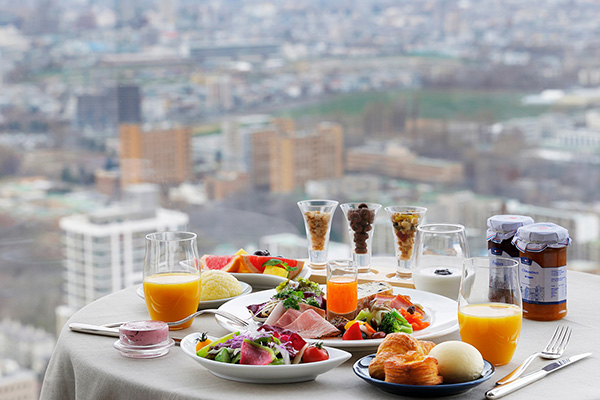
<point x="441" y="311"/>
<point x="267" y="281"/>
<point x="209" y="303"/>
<point x="265" y="373"/>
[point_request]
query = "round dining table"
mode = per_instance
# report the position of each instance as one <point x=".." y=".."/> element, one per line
<point x="87" y="366"/>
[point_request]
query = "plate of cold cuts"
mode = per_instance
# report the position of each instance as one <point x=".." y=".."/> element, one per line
<point x="441" y="314"/>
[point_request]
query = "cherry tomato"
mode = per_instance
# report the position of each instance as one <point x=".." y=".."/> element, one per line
<point x="314" y="353"/>
<point x="202" y="341"/>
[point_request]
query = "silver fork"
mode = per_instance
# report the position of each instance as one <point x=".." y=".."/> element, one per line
<point x="553" y="350"/>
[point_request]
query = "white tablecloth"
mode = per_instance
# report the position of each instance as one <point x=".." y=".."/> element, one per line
<point x="88" y="367"/>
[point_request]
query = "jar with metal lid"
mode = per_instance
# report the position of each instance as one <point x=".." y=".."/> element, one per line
<point x="500" y="231"/>
<point x="543" y="274"/>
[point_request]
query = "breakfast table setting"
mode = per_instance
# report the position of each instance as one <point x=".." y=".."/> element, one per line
<point x="88" y="367"/>
<point x="431" y="322"/>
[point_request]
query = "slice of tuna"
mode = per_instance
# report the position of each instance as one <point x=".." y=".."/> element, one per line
<point x="311" y="325"/>
<point x="288" y="317"/>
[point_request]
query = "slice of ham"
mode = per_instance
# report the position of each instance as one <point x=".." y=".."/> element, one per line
<point x="275" y="314"/>
<point x="288" y="317"/>
<point x="311" y="325"/>
<point x="320" y="311"/>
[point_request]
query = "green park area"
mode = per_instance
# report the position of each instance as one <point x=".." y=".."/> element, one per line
<point x="488" y="106"/>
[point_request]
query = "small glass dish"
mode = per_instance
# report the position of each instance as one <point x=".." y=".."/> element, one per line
<point x="144" y="339"/>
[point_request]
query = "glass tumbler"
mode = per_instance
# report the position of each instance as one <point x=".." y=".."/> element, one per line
<point x="405" y="220"/>
<point x="342" y="289"/>
<point x="441" y="249"/>
<point x="171" y="276"/>
<point x="317" y="216"/>
<point x="360" y="218"/>
<point x="490" y="307"/>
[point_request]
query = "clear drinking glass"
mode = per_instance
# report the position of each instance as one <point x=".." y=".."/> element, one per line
<point x="441" y="249"/>
<point x="405" y="220"/>
<point x="171" y="276"/>
<point x="342" y="289"/>
<point x="360" y="218"/>
<point x="490" y="308"/>
<point x="317" y="216"/>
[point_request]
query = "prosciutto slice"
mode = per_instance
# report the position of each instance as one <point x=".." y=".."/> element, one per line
<point x="320" y="311"/>
<point x="311" y="325"/>
<point x="288" y="317"/>
<point x="275" y="314"/>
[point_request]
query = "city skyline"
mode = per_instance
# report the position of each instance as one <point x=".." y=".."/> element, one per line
<point x="236" y="110"/>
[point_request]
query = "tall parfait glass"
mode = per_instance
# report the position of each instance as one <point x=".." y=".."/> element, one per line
<point x="405" y="221"/>
<point x="317" y="216"/>
<point x="360" y="218"/>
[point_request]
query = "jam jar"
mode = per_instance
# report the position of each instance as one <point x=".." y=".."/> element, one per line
<point x="543" y="271"/>
<point x="500" y="231"/>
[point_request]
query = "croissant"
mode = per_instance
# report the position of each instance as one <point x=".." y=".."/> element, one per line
<point x="396" y="344"/>
<point x="412" y="368"/>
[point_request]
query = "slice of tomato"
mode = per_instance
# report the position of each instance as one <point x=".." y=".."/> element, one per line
<point x="353" y="333"/>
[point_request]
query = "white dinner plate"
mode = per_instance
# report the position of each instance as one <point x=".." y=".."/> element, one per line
<point x="441" y="314"/>
<point x="267" y="281"/>
<point x="264" y="373"/>
<point x="209" y="303"/>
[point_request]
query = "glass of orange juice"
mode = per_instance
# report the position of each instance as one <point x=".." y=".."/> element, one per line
<point x="489" y="307"/>
<point x="171" y="276"/>
<point x="342" y="288"/>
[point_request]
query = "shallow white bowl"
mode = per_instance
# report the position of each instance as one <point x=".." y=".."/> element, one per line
<point x="265" y="373"/>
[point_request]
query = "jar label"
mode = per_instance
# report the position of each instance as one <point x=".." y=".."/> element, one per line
<point x="542" y="285"/>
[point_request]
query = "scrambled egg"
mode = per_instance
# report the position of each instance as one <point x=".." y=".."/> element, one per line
<point x="215" y="284"/>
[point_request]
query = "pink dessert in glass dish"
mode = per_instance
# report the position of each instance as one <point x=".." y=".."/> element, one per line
<point x="144" y="339"/>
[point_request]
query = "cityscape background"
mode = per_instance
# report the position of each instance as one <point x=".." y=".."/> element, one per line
<point x="123" y="117"/>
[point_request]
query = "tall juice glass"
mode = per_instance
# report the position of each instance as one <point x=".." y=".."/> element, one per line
<point x="171" y="276"/>
<point x="342" y="289"/>
<point x="490" y="308"/>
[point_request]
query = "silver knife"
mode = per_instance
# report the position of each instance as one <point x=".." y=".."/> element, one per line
<point x="503" y="390"/>
<point x="103" y="330"/>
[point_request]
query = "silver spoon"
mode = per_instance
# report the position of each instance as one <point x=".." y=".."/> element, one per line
<point x="224" y="314"/>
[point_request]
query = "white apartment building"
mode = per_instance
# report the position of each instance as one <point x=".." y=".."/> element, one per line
<point x="104" y="251"/>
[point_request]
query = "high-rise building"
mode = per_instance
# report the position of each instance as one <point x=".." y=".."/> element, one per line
<point x="155" y="156"/>
<point x="129" y="104"/>
<point x="97" y="111"/>
<point x="104" y="250"/>
<point x="285" y="161"/>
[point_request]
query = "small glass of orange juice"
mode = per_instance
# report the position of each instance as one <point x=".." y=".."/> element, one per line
<point x="489" y="307"/>
<point x="342" y="288"/>
<point x="171" y="276"/>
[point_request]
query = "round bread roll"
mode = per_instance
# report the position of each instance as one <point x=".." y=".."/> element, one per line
<point x="216" y="284"/>
<point x="457" y="361"/>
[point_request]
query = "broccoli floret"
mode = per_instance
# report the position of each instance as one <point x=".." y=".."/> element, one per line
<point x="393" y="321"/>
